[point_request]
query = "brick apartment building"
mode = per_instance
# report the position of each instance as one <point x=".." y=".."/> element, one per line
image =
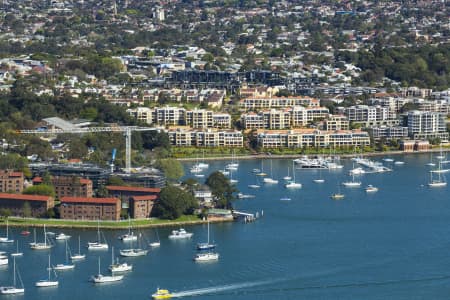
<point x="126" y="193"/>
<point x="11" y="182"/>
<point x="69" y="186"/>
<point x="85" y="208"/>
<point x="141" y="206"/>
<point x="39" y="205"/>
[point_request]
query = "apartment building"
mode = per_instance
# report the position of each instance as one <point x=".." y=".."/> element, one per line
<point x="368" y="115"/>
<point x="423" y="125"/>
<point x="298" y="138"/>
<point x="205" y="138"/>
<point x="141" y="206"/>
<point x="69" y="186"/>
<point x="39" y="205"/>
<point x="258" y="103"/>
<point x="86" y="208"/>
<point x="11" y="181"/>
<point x="388" y="132"/>
<point x="336" y="122"/>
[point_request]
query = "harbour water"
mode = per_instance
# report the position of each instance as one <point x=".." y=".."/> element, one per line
<point x="392" y="244"/>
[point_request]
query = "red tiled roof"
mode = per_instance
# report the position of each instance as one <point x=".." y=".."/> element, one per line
<point x="89" y="200"/>
<point x="145" y="197"/>
<point x="132" y="189"/>
<point x="24" y="197"/>
<point x="85" y="181"/>
<point x="16" y="174"/>
<point x="37" y="179"/>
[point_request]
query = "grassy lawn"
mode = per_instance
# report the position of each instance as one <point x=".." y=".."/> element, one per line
<point x="14" y="221"/>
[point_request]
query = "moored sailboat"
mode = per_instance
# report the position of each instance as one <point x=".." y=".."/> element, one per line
<point x="47" y="282"/>
<point x="12" y="290"/>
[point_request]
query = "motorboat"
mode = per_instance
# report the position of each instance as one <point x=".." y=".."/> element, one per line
<point x="337" y="196"/>
<point x="285" y="199"/>
<point x="270" y="180"/>
<point x="398" y="162"/>
<point x="62" y="237"/>
<point x="357" y="171"/>
<point x="254" y="186"/>
<point x="180" y="234"/>
<point x="133" y="252"/>
<point x="4" y="260"/>
<point x="208" y="256"/>
<point x="371" y="189"/>
<point x="162" y="294"/>
<point x="245" y="196"/>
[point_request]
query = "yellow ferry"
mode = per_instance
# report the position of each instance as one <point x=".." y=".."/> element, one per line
<point x="161" y="294"/>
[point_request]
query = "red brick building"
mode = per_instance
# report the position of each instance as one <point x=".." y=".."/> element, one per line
<point x="11" y="182"/>
<point x="125" y="193"/>
<point x="141" y="206"/>
<point x="69" y="186"/>
<point x="85" y="208"/>
<point x="16" y="203"/>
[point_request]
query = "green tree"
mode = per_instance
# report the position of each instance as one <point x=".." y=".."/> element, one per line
<point x="41" y="189"/>
<point x="115" y="180"/>
<point x="5" y="212"/>
<point x="172" y="168"/>
<point x="26" y="209"/>
<point x="221" y="188"/>
<point x="173" y="202"/>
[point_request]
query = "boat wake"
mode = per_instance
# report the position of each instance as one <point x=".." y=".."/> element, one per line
<point x="217" y="289"/>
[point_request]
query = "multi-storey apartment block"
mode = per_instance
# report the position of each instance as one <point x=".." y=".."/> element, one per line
<point x="423" y="125"/>
<point x="337" y="122"/>
<point x="299" y="138"/>
<point x="258" y="103"/>
<point x="206" y="138"/>
<point x="11" y="181"/>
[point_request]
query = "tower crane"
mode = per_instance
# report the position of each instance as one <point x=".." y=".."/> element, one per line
<point x="127" y="130"/>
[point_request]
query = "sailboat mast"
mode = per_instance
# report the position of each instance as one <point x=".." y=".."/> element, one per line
<point x="49" y="269"/>
<point x="14" y="280"/>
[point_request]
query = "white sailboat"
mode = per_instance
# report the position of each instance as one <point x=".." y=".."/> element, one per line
<point x="118" y="267"/>
<point x="134" y="252"/>
<point x="12" y="290"/>
<point x="270" y="180"/>
<point x="352" y="183"/>
<point x="130" y="236"/>
<point x="66" y="265"/>
<point x="288" y="177"/>
<point x="233" y="165"/>
<point x="17" y="253"/>
<point x="440" y="180"/>
<point x="99" y="278"/>
<point x="157" y="243"/>
<point x="98" y="245"/>
<point x="320" y="179"/>
<point x="78" y="256"/>
<point x="41" y="246"/>
<point x="48" y="282"/>
<point x="292" y="184"/>
<point x="207" y="245"/>
<point x="261" y="172"/>
<point x="6" y="238"/>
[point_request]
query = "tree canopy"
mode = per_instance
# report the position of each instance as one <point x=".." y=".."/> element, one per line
<point x="221" y="188"/>
<point x="174" y="202"/>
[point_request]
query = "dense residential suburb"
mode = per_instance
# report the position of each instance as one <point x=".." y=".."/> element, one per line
<point x="97" y="98"/>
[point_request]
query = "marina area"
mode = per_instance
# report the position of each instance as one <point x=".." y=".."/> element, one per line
<point x="377" y="242"/>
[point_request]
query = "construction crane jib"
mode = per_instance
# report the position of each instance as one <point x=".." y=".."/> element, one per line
<point x="127" y="130"/>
